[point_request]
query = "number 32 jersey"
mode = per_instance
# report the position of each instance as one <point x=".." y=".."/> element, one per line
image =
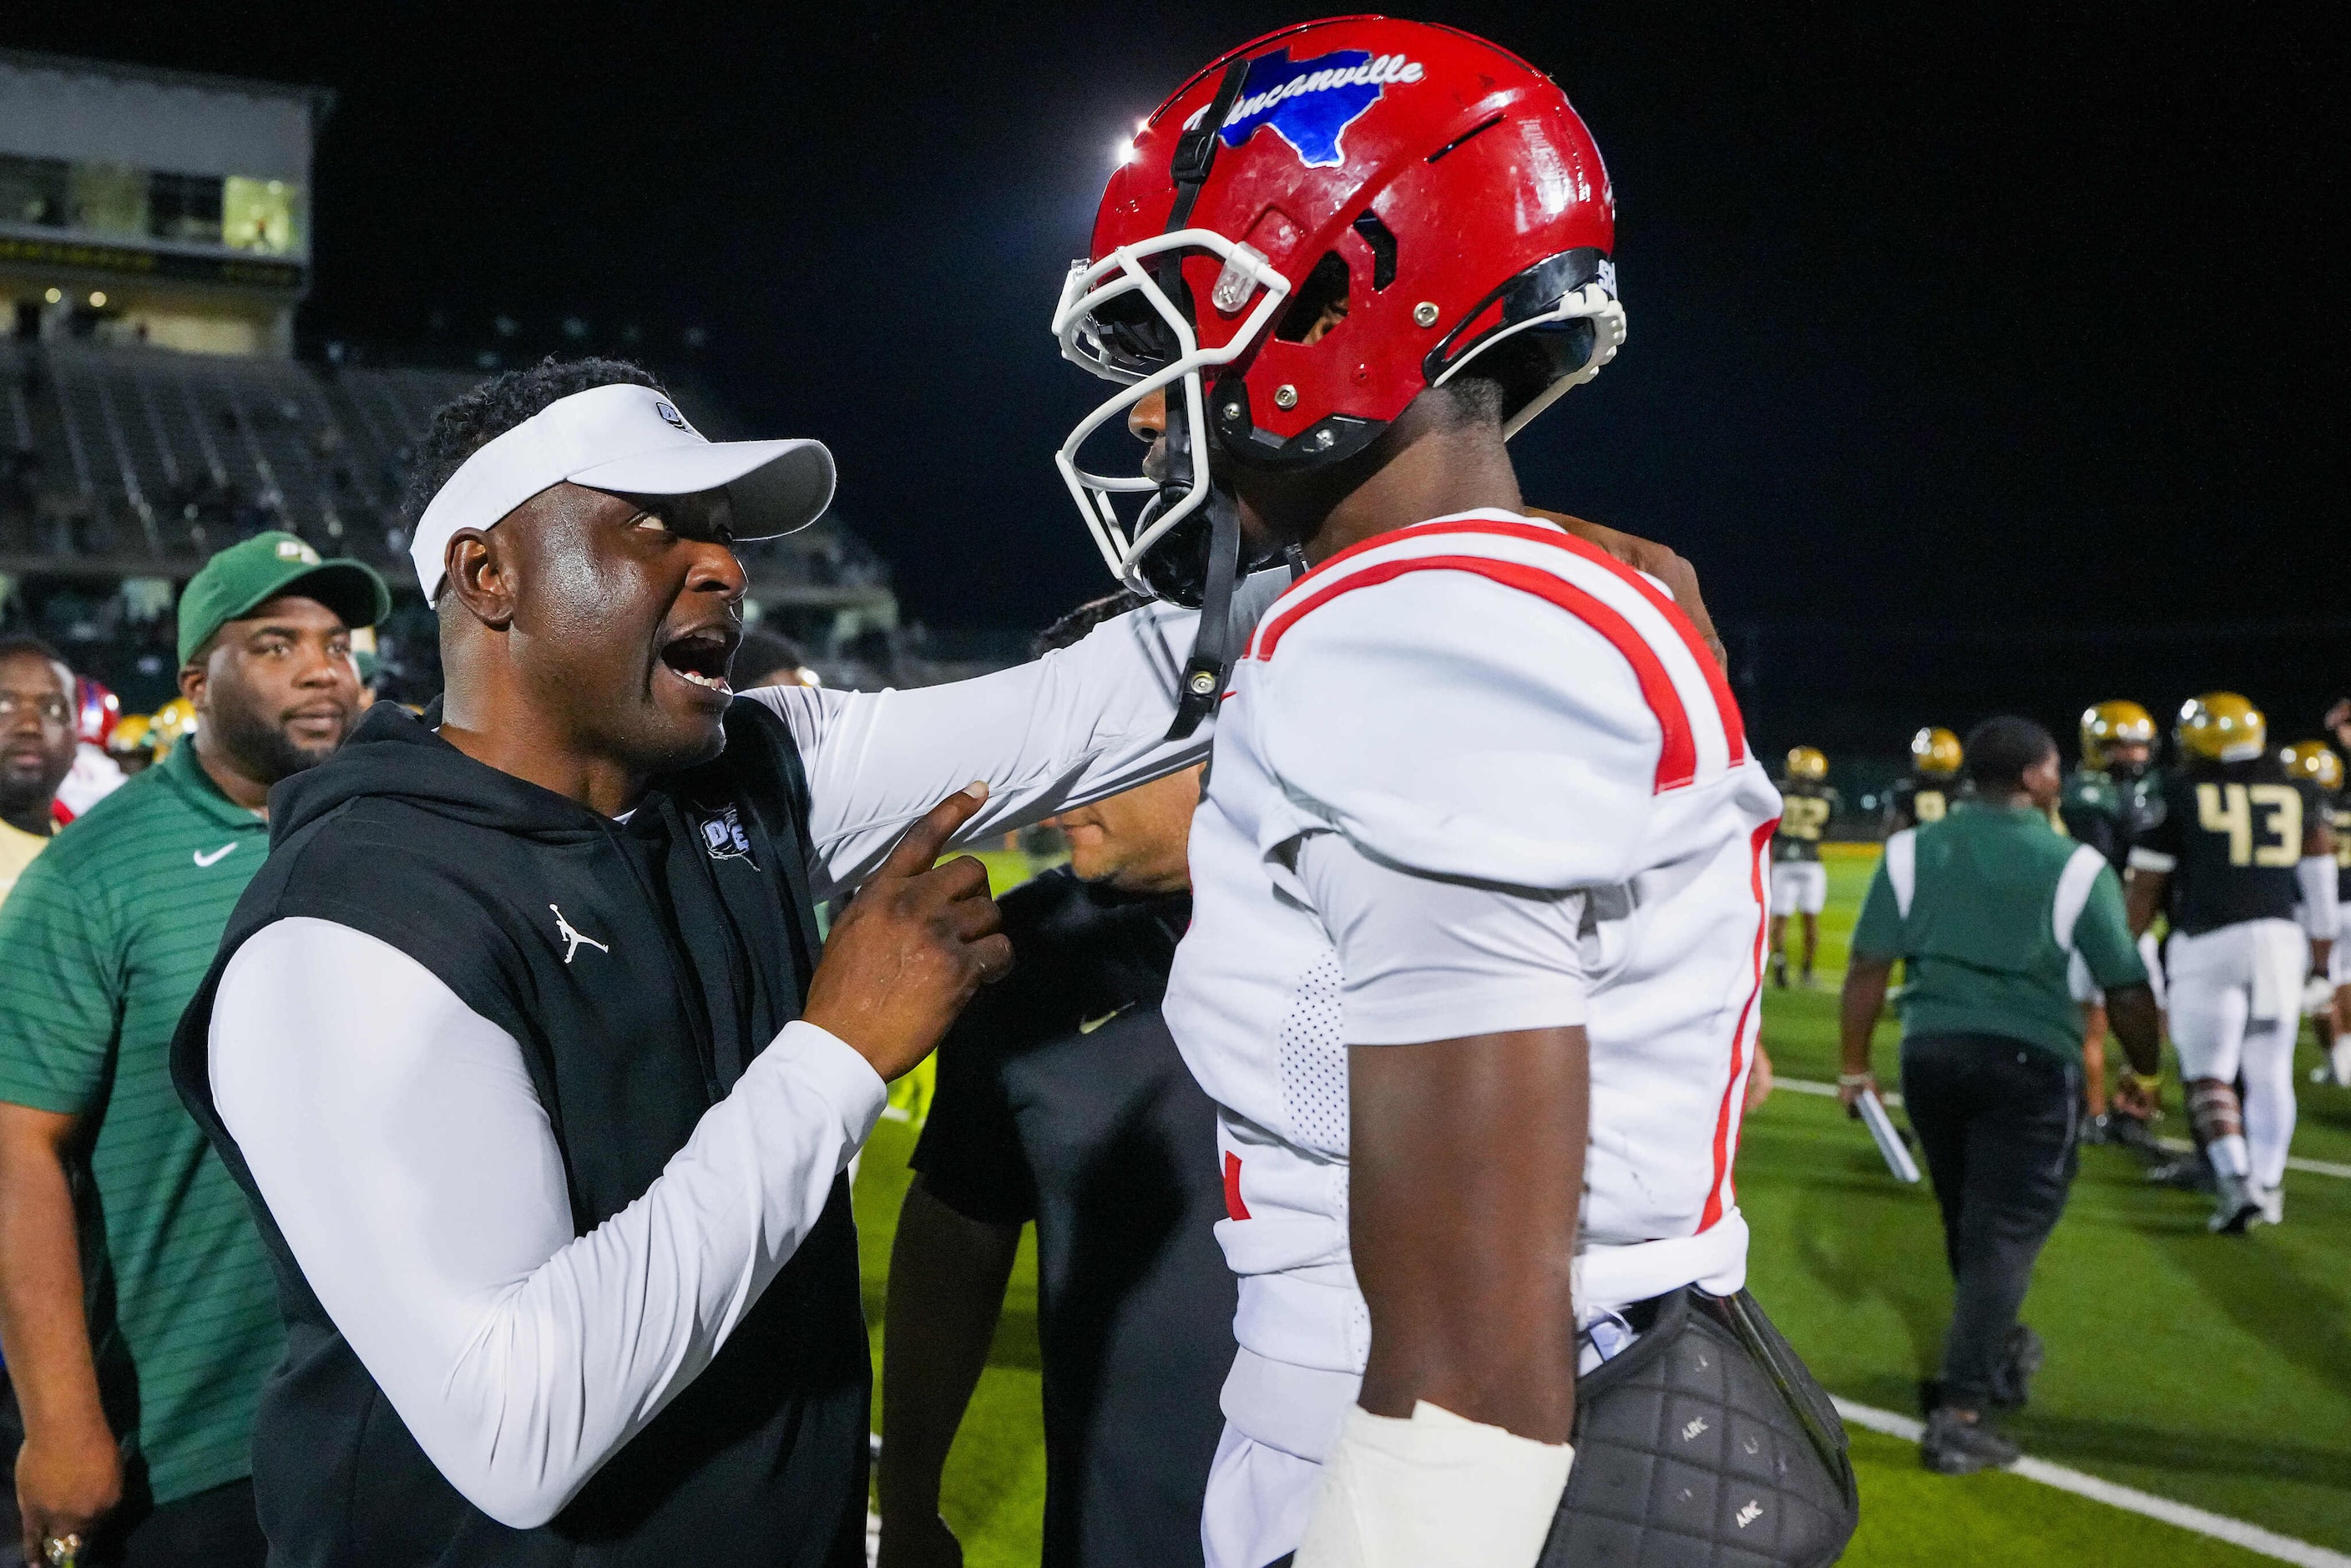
<point x="1479" y="705"/>
<point x="2230" y="836"/>
<point x="1806" y="807"/>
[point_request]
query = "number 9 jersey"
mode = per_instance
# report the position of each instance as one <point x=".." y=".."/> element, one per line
<point x="2230" y="836"/>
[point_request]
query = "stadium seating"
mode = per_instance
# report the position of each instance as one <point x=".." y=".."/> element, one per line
<point x="122" y="466"/>
<point x="145" y="460"/>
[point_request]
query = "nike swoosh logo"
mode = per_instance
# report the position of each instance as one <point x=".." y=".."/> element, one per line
<point x="1090" y="1024"/>
<point x="216" y="856"/>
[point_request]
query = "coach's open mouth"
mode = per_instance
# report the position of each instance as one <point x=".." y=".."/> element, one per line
<point x="700" y="657"/>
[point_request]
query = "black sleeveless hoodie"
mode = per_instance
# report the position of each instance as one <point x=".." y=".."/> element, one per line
<point x="702" y="901"/>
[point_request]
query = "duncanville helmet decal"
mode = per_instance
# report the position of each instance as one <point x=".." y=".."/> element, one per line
<point x="1310" y="103"/>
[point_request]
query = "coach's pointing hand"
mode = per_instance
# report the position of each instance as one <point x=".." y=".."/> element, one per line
<point x="912" y="946"/>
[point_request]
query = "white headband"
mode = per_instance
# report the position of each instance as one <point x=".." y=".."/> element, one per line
<point x="631" y="439"/>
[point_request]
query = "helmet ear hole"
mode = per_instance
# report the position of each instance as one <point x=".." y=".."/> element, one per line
<point x="1381" y="244"/>
<point x="1320" y="301"/>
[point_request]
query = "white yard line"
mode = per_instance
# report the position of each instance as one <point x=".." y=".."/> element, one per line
<point x="2292" y="1162"/>
<point x="2219" y="1527"/>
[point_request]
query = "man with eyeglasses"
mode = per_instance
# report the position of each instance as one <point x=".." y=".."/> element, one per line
<point x="36" y="749"/>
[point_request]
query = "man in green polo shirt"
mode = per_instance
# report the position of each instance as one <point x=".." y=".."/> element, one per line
<point x="138" y="1309"/>
<point x="1991" y="906"/>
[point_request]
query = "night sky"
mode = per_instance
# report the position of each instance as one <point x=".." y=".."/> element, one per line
<point x="1978" y="362"/>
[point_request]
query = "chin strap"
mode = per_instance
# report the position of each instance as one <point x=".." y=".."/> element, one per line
<point x="1212" y="645"/>
<point x="1212" y="650"/>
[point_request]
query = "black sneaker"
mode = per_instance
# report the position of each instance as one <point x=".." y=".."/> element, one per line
<point x="2188" y="1172"/>
<point x="2132" y="1133"/>
<point x="2235" y="1208"/>
<point x="1955" y="1446"/>
<point x="2097" y="1129"/>
<point x="2024" y="1353"/>
<point x="1780" y="971"/>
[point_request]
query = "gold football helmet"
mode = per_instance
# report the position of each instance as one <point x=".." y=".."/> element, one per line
<point x="2314" y="760"/>
<point x="171" y="723"/>
<point x="2220" y="726"/>
<point x="1935" y="751"/>
<point x="2116" y="723"/>
<point x="1807" y="762"/>
<point x="132" y="736"/>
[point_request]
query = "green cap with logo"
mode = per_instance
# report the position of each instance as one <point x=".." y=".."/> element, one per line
<point x="244" y="577"/>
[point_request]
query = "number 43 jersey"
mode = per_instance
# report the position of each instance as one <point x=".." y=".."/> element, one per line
<point x="1482" y="711"/>
<point x="2230" y="836"/>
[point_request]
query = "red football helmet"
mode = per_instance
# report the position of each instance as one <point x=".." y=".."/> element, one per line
<point x="1379" y="204"/>
<point x="97" y="710"/>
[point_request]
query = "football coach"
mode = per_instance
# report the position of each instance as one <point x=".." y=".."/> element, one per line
<point x="520" y="1045"/>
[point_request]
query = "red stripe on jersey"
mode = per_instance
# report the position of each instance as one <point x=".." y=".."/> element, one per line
<point x="1677" y="752"/>
<point x="1718" y="685"/>
<point x="1233" y="1204"/>
<point x="1734" y="1108"/>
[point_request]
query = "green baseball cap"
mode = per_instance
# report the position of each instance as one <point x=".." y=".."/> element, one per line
<point x="244" y="577"/>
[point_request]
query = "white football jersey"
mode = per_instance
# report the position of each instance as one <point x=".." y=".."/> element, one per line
<point x="1481" y="698"/>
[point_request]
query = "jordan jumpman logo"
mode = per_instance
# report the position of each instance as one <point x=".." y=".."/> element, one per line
<point x="572" y="938"/>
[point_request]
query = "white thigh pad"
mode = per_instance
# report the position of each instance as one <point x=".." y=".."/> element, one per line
<point x="2212" y="980"/>
<point x="1799" y="887"/>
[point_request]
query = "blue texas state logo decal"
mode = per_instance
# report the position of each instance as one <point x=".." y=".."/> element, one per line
<point x="1310" y="103"/>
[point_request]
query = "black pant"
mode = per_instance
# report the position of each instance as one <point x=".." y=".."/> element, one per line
<point x="1997" y="1118"/>
<point x="215" y="1528"/>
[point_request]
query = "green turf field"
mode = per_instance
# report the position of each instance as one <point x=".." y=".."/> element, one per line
<point x="2216" y="1372"/>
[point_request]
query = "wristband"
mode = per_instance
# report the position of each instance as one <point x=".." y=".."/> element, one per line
<point x="1855" y="1080"/>
<point x="1433" y="1488"/>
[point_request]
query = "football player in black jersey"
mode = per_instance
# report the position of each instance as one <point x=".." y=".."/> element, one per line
<point x="2109" y="802"/>
<point x="2314" y="760"/>
<point x="2241" y="847"/>
<point x="1933" y="783"/>
<point x="1799" y="881"/>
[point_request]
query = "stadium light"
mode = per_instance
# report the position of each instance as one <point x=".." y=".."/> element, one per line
<point x="98" y="299"/>
<point x="54" y="295"/>
<point x="1125" y="153"/>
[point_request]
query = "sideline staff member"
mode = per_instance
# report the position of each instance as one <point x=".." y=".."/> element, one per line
<point x="1989" y="906"/>
<point x="138" y="1340"/>
<point x="1062" y="1100"/>
<point x="36" y="749"/>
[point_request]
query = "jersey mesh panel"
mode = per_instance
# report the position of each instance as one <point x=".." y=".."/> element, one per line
<point x="1314" y="1059"/>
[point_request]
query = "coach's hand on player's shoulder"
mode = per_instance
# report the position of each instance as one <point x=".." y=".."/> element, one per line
<point x="1680" y="577"/>
<point x="911" y="948"/>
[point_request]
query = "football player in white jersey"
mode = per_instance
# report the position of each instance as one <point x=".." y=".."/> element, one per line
<point x="1477" y="945"/>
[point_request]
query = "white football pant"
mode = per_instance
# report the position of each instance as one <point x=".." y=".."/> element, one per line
<point x="2236" y="1006"/>
<point x="1799" y="887"/>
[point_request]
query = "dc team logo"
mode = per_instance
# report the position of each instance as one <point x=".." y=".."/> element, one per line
<point x="1310" y="103"/>
<point x="723" y="834"/>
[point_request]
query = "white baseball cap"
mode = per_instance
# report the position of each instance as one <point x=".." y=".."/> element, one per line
<point x="631" y="439"/>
